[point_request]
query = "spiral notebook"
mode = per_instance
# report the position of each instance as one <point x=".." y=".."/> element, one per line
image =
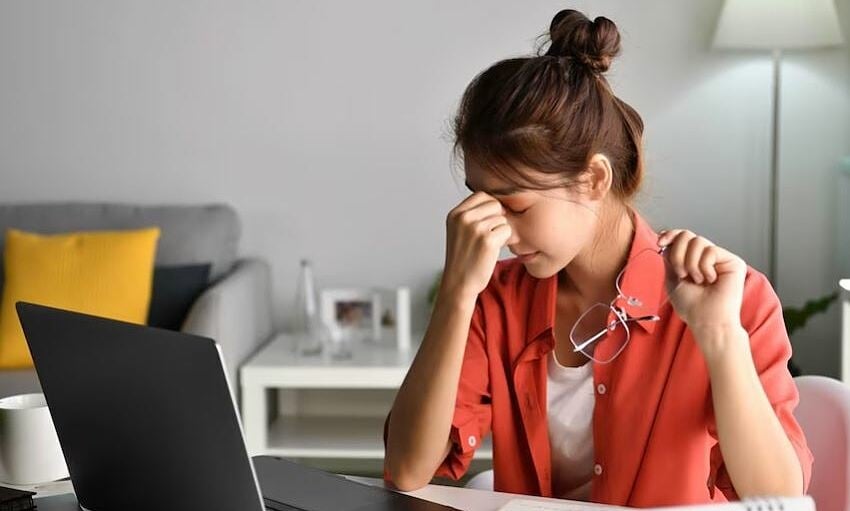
<point x="804" y="503"/>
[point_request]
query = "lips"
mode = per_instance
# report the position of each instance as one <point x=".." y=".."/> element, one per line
<point x="526" y="257"/>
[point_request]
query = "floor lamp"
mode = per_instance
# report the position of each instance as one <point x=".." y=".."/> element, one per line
<point x="845" y="329"/>
<point x="776" y="25"/>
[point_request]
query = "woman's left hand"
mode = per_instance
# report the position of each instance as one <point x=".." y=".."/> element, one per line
<point x="705" y="282"/>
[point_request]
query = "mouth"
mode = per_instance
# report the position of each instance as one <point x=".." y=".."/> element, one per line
<point x="526" y="257"/>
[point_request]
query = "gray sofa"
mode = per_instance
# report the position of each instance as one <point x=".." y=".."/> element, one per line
<point x="235" y="309"/>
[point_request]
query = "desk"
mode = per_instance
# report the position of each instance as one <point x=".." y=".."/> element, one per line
<point x="460" y="498"/>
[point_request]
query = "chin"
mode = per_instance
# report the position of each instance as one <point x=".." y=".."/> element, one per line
<point x="537" y="270"/>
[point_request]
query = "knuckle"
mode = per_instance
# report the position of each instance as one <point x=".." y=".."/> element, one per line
<point x="695" y="241"/>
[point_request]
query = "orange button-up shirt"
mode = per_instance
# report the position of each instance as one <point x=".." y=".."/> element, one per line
<point x="655" y="438"/>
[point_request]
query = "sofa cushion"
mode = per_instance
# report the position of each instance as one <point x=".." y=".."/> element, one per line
<point x="105" y="273"/>
<point x="175" y="289"/>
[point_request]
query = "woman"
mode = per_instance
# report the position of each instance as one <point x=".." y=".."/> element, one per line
<point x="610" y="363"/>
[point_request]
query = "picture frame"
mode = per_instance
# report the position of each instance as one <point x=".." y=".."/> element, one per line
<point x="354" y="313"/>
<point x="395" y="319"/>
<point x="377" y="314"/>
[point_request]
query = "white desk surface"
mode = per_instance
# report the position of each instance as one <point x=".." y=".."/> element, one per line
<point x="474" y="500"/>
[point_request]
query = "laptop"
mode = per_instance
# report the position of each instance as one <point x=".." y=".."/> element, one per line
<point x="146" y="421"/>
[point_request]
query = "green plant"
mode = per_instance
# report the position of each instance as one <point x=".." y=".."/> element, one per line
<point x="797" y="317"/>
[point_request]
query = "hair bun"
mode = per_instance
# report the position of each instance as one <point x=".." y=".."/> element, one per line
<point x="593" y="44"/>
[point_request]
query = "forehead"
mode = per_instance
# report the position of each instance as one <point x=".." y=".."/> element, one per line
<point x="479" y="179"/>
<point x="500" y="189"/>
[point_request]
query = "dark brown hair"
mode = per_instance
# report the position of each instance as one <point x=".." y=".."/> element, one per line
<point x="553" y="111"/>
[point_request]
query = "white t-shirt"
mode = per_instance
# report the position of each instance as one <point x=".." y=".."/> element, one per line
<point x="571" y="399"/>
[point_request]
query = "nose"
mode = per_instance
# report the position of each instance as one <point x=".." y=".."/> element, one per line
<point x="513" y="245"/>
<point x="513" y="240"/>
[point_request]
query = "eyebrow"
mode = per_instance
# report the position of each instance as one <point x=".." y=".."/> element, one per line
<point x="508" y="190"/>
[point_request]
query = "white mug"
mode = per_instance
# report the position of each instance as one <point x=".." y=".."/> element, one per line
<point x="29" y="448"/>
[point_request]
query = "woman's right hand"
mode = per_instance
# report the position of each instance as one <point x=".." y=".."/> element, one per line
<point x="476" y="230"/>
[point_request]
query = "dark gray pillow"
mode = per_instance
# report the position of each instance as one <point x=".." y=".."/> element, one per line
<point x="175" y="289"/>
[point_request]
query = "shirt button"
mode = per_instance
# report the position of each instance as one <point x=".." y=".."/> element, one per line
<point x="471" y="440"/>
<point x="601" y="388"/>
<point x="597" y="469"/>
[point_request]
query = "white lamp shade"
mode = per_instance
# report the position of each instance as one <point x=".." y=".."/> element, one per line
<point x="777" y="24"/>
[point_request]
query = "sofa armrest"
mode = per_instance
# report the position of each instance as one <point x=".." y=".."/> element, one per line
<point x="236" y="312"/>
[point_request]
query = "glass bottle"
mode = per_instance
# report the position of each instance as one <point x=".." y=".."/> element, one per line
<point x="311" y="333"/>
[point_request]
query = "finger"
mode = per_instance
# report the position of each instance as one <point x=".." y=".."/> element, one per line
<point x="693" y="254"/>
<point x="486" y="225"/>
<point x="706" y="264"/>
<point x="501" y="234"/>
<point x="676" y="252"/>
<point x="731" y="266"/>
<point x="727" y="262"/>
<point x="480" y="212"/>
<point x="474" y="200"/>
<point x="666" y="235"/>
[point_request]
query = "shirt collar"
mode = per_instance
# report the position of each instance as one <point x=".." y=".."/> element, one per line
<point x="645" y="274"/>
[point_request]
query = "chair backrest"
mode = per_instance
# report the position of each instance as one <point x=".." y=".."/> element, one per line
<point x="824" y="415"/>
<point x="207" y="233"/>
<point x="481" y="481"/>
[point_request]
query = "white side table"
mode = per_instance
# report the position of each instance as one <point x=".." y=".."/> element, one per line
<point x="315" y="407"/>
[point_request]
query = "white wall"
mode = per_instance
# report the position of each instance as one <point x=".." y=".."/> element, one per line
<point x="325" y="124"/>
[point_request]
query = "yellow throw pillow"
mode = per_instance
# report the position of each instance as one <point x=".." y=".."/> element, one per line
<point x="105" y="273"/>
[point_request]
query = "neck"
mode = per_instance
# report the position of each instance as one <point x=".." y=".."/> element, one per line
<point x="590" y="276"/>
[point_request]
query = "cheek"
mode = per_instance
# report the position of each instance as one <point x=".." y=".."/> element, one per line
<point x="554" y="233"/>
<point x="537" y="231"/>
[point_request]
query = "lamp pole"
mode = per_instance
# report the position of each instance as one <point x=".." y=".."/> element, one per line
<point x="774" y="172"/>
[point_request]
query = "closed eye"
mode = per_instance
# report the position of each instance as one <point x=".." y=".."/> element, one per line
<point x="509" y="210"/>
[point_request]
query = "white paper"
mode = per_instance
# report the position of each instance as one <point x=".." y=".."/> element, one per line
<point x="537" y="505"/>
<point x="804" y="503"/>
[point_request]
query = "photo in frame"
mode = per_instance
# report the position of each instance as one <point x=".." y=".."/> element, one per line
<point x="355" y="313"/>
<point x="377" y="314"/>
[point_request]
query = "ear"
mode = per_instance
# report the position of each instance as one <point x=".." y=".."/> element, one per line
<point x="598" y="177"/>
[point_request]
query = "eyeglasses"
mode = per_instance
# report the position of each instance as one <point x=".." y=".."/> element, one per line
<point x="627" y="308"/>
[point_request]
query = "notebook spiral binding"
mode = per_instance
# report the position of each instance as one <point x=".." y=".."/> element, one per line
<point x="763" y="504"/>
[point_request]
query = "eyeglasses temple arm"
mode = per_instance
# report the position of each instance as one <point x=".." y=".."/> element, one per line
<point x="602" y="332"/>
<point x="585" y="343"/>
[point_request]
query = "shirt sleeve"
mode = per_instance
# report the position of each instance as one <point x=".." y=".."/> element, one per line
<point x="761" y="316"/>
<point x="472" y="415"/>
